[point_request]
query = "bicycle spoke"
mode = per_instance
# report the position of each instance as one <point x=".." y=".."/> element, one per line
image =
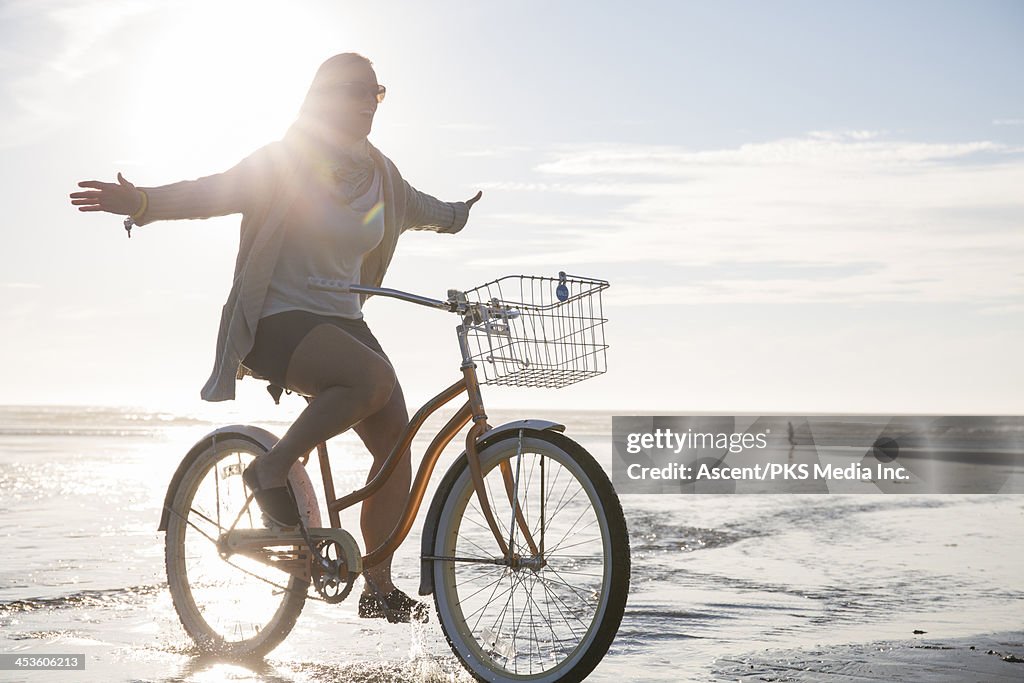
<point x="514" y="502"/>
<point x="476" y="523"/>
<point x="489" y="600"/>
<point x="567" y="571"/>
<point x="562" y="506"/>
<point x="216" y="481"/>
<point x="558" y="600"/>
<point x="565" y="621"/>
<point x="481" y="609"/>
<point x="248" y="509"/>
<point x="551" y="487"/>
<point x="563" y="582"/>
<point x="484" y="553"/>
<point x="473" y="595"/>
<point x="482" y="577"/>
<point x="511" y="595"/>
<point x="529" y="480"/>
<point x="560" y="555"/>
<point x="572" y="527"/>
<point x="518" y="623"/>
<point x="542" y="504"/>
<point x="205" y="518"/>
<point x="551" y="628"/>
<point x="502" y="594"/>
<point x="554" y="637"/>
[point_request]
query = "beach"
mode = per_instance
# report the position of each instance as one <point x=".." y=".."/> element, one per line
<point x="785" y="587"/>
<point x="995" y="657"/>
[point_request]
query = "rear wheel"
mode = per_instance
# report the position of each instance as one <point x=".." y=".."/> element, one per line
<point x="554" y="613"/>
<point x="237" y="605"/>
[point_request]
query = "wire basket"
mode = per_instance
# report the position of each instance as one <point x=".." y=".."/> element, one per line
<point x="557" y="338"/>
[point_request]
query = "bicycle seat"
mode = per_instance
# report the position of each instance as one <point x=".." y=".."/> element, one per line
<point x="274" y="389"/>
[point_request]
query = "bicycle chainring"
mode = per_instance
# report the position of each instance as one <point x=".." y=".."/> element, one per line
<point x="330" y="571"/>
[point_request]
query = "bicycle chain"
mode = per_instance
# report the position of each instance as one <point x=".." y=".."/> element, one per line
<point x="245" y="571"/>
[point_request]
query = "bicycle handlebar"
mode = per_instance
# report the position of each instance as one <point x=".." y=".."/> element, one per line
<point x="326" y="285"/>
<point x="473" y="312"/>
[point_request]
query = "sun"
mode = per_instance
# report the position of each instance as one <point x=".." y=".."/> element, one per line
<point x="219" y="80"/>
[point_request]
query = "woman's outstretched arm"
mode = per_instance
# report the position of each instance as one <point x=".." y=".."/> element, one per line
<point x="424" y="212"/>
<point x="215" y="195"/>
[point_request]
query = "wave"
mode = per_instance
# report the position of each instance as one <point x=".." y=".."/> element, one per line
<point x="88" y="421"/>
<point x="128" y="595"/>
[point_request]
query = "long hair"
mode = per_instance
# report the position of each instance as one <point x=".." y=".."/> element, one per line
<point x="311" y="121"/>
<point x="310" y="135"/>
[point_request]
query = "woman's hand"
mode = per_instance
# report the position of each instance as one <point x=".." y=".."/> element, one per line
<point x="121" y="197"/>
<point x="474" y="199"/>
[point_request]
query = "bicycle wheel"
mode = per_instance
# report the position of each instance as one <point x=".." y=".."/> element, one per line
<point x="545" y="620"/>
<point x="235" y="606"/>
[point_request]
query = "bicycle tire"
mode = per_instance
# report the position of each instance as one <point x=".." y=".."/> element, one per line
<point x="223" y="609"/>
<point x="494" y="652"/>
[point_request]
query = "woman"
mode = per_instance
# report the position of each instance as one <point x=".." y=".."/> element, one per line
<point x="323" y="201"/>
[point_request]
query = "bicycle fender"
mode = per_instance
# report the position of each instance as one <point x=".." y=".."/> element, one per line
<point x="434" y="513"/>
<point x="256" y="435"/>
<point x="539" y="425"/>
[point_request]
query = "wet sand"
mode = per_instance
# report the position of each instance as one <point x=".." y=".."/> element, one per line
<point x="994" y="657"/>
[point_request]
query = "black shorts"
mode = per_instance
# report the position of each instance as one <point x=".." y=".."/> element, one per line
<point x="277" y="336"/>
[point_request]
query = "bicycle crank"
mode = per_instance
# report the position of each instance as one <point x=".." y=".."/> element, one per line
<point x="330" y="558"/>
<point x="329" y="571"/>
<point x="335" y="562"/>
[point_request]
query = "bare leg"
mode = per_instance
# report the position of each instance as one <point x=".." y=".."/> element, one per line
<point x="352" y="386"/>
<point x="382" y="511"/>
<point x="349" y="382"/>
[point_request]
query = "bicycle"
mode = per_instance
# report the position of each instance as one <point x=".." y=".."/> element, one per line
<point x="525" y="547"/>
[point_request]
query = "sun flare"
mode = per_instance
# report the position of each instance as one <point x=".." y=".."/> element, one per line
<point x="235" y="83"/>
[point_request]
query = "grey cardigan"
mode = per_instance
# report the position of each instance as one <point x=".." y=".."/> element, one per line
<point x="262" y="187"/>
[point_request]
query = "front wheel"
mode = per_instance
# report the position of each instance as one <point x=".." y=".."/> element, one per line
<point x="552" y="613"/>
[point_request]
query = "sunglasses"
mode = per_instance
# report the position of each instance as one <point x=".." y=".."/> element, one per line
<point x="356" y="90"/>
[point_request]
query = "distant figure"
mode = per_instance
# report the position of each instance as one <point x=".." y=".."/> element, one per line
<point x="320" y="202"/>
<point x="790" y="434"/>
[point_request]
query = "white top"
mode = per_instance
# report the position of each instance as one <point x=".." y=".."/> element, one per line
<point x="325" y="237"/>
<point x="263" y="188"/>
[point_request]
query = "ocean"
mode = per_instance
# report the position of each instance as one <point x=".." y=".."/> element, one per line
<point x="717" y="580"/>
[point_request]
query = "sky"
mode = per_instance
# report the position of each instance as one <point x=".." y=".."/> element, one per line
<point x="801" y="207"/>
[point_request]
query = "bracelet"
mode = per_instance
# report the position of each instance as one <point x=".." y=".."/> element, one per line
<point x="142" y="208"/>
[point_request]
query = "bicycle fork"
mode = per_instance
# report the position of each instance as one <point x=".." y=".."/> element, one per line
<point x="511" y="482"/>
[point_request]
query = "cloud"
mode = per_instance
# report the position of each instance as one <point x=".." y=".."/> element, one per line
<point x="817" y="150"/>
<point x="937" y="222"/>
<point x="88" y="28"/>
<point x="56" y="46"/>
<point x="845" y="134"/>
<point x="497" y="152"/>
<point x="1008" y="309"/>
<point x="468" y="127"/>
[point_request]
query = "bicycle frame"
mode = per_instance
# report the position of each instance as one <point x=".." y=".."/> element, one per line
<point x="471" y="410"/>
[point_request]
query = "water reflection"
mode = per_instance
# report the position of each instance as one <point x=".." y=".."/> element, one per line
<point x="213" y="669"/>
